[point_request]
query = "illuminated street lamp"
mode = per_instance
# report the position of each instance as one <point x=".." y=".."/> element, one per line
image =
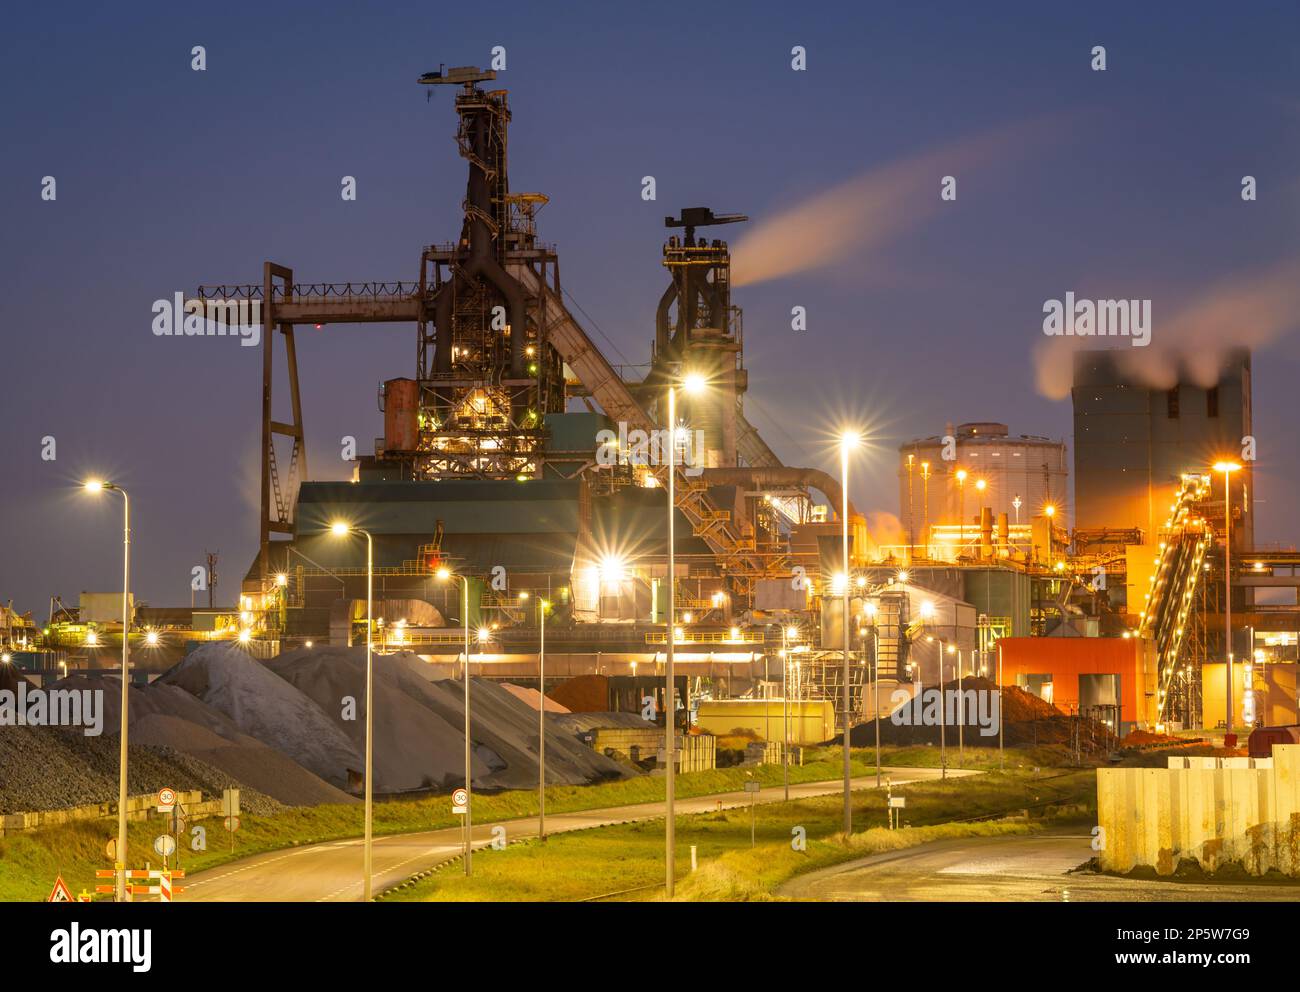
<point x="694" y="384"/>
<point x="925" y="504"/>
<point x="871" y="610"/>
<point x="943" y="704"/>
<point x="1227" y="468"/>
<point x="442" y="575"/>
<point x="97" y="486"/>
<point x="961" y="511"/>
<point x="786" y="634"/>
<point x="542" y="606"/>
<point x="342" y="529"/>
<point x="1050" y="512"/>
<point x="848" y="441"/>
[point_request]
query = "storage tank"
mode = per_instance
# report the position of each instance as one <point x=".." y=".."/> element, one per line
<point x="1021" y="475"/>
<point x="401" y="415"/>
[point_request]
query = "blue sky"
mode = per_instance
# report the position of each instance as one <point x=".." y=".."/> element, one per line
<point x="1117" y="183"/>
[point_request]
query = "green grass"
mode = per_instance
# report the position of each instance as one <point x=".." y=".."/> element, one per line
<point x="30" y="861"/>
<point x="610" y="861"/>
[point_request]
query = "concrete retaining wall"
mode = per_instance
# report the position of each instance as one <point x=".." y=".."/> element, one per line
<point x="137" y="808"/>
<point x="1211" y="811"/>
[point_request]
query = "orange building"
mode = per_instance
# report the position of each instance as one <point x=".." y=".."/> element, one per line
<point x="1085" y="673"/>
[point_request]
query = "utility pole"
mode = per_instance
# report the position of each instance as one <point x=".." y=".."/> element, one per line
<point x="212" y="577"/>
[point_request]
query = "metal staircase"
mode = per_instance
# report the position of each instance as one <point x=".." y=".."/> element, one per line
<point x="1166" y="616"/>
<point x="735" y="549"/>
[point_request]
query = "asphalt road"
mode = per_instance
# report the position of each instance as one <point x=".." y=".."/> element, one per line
<point x="1006" y="869"/>
<point x="331" y="872"/>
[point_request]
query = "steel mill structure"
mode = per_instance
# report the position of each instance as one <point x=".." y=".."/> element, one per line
<point x="485" y="466"/>
<point x="515" y="456"/>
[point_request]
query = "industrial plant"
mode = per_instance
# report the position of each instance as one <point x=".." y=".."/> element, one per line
<point x="522" y="480"/>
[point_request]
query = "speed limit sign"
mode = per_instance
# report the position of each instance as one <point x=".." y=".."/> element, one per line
<point x="166" y="800"/>
<point x="460" y="801"/>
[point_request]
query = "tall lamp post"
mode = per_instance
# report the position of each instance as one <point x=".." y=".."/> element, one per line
<point x="342" y="529"/>
<point x="96" y="486"/>
<point x="875" y="678"/>
<point x="1050" y="512"/>
<point x="943" y="706"/>
<point x="961" y="511"/>
<point x="1227" y="468"/>
<point x="443" y="574"/>
<point x="848" y="441"/>
<point x="786" y="634"/>
<point x="694" y="384"/>
<point x="542" y="606"/>
<point x="925" y="505"/>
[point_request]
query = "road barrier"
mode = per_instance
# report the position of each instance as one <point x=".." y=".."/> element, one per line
<point x="1211" y="811"/>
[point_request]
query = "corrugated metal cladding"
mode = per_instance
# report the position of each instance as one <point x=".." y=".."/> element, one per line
<point x="538" y="506"/>
<point x="576" y="431"/>
<point x="634" y="522"/>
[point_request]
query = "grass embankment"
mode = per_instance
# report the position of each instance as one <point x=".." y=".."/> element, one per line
<point x="30" y="861"/>
<point x="627" y="860"/>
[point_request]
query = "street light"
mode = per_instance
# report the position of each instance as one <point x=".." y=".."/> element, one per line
<point x="961" y="511"/>
<point x="542" y="606"/>
<point x="1227" y="468"/>
<point x="848" y="441"/>
<point x="694" y="384"/>
<point x="342" y="529"/>
<point x="1049" y="511"/>
<point x="943" y="705"/>
<point x="786" y="634"/>
<point x="442" y="575"/>
<point x="97" y="486"/>
<point x="925" y="504"/>
<point x="871" y="611"/>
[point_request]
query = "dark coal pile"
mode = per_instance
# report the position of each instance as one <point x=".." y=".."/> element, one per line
<point x="1026" y="719"/>
<point x="165" y="715"/>
<point x="42" y="768"/>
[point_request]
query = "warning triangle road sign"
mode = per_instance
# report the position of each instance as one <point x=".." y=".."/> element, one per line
<point x="60" y="892"/>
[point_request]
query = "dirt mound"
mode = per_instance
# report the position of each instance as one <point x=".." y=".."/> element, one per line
<point x="48" y="769"/>
<point x="1025" y="719"/>
<point x="264" y="706"/>
<point x="533" y="698"/>
<point x="419" y="724"/>
<point x="1141" y="738"/>
<point x="165" y="715"/>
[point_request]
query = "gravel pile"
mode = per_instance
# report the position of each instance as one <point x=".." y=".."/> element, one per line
<point x="581" y="723"/>
<point x="419" y="738"/>
<point x="262" y="705"/>
<point x="533" y="698"/>
<point x="165" y="715"/>
<point x="42" y="768"/>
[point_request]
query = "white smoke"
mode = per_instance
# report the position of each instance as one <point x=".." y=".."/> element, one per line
<point x="1196" y="339"/>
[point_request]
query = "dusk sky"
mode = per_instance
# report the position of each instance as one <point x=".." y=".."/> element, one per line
<point x="1117" y="183"/>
